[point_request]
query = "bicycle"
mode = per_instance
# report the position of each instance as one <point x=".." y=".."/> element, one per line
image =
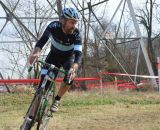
<point x="39" y="108"/>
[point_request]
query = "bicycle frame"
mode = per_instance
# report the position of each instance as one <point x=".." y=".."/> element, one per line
<point x="38" y="107"/>
<point x="44" y="113"/>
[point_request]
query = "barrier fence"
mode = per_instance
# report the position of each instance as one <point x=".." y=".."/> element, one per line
<point x="8" y="81"/>
<point x="101" y="84"/>
<point x="119" y="84"/>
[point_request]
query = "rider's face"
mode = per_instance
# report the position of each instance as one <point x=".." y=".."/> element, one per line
<point x="69" y="26"/>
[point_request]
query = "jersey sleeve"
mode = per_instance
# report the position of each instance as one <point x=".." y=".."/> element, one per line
<point x="44" y="38"/>
<point x="78" y="48"/>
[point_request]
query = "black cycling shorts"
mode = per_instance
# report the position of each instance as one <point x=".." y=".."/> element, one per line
<point x="59" y="61"/>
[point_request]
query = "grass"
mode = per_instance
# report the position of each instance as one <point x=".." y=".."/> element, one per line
<point x="115" y="110"/>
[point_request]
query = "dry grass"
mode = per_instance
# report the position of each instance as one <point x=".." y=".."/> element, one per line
<point x="89" y="111"/>
<point x="107" y="117"/>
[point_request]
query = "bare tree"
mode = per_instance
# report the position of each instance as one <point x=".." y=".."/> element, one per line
<point x="146" y="17"/>
<point x="35" y="26"/>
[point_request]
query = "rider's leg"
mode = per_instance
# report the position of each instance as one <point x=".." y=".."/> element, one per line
<point x="56" y="101"/>
<point x="62" y="90"/>
<point x="64" y="86"/>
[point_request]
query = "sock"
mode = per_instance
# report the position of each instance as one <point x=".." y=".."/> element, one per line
<point x="58" y="98"/>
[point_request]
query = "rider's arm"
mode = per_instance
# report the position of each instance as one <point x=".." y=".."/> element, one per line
<point x="44" y="38"/>
<point x="77" y="60"/>
<point x="77" y="51"/>
<point x="39" y="45"/>
<point x="78" y="57"/>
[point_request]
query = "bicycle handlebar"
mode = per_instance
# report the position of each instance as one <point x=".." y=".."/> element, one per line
<point x="51" y="66"/>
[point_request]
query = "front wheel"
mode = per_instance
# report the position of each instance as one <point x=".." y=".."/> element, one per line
<point x="31" y="115"/>
<point x="26" y="124"/>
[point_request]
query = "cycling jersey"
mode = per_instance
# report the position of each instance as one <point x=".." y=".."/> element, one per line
<point x="63" y="45"/>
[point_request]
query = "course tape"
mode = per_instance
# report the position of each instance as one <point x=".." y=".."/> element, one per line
<point x="37" y="80"/>
<point x="119" y="74"/>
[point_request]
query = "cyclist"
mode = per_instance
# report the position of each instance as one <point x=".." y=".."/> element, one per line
<point x="66" y="49"/>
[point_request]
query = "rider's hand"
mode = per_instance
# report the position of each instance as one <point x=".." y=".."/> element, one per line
<point x="74" y="67"/>
<point x="34" y="56"/>
<point x="72" y="71"/>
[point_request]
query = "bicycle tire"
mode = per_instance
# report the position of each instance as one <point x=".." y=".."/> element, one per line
<point x="28" y="125"/>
